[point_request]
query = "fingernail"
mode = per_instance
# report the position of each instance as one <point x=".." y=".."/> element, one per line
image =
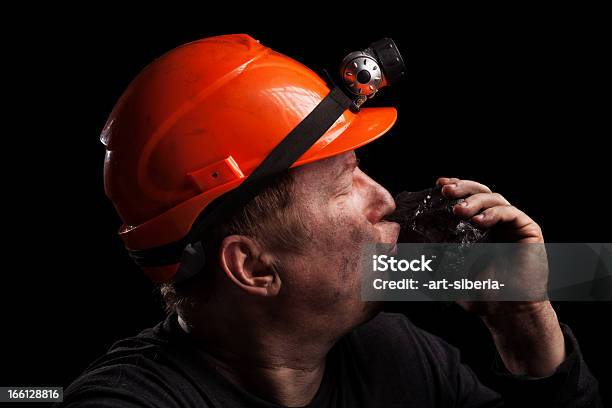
<point x="479" y="217"/>
<point x="463" y="203"/>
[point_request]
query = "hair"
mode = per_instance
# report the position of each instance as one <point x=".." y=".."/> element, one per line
<point x="269" y="218"/>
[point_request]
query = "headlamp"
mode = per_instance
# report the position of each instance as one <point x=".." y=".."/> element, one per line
<point x="364" y="72"/>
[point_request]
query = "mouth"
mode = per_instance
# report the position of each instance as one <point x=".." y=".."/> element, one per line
<point x="392" y="226"/>
<point x="389" y="233"/>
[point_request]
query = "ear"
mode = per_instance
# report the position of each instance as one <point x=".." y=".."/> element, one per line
<point x="248" y="266"/>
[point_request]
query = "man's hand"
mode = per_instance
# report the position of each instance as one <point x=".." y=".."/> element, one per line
<point x="487" y="209"/>
<point x="506" y="223"/>
<point x="526" y="334"/>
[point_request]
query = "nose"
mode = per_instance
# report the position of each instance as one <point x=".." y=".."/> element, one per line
<point x="378" y="201"/>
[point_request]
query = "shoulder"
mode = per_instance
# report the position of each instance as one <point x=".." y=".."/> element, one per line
<point x="123" y="383"/>
<point x="142" y="370"/>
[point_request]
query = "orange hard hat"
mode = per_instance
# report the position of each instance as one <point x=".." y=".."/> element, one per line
<point x="198" y="120"/>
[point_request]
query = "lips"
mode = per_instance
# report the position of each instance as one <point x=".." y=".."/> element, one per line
<point x="393" y="229"/>
<point x="388" y="234"/>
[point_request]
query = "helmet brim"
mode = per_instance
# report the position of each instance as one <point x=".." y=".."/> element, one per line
<point x="368" y="125"/>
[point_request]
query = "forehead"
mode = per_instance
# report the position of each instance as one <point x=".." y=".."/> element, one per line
<point x="330" y="166"/>
<point x="323" y="173"/>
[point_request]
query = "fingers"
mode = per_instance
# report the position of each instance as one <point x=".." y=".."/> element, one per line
<point x="510" y="216"/>
<point x="472" y="205"/>
<point x="486" y="209"/>
<point x="456" y="188"/>
<point x="446" y="180"/>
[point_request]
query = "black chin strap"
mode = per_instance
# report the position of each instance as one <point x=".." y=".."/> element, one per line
<point x="291" y="148"/>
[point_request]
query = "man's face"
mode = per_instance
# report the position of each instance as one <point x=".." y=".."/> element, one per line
<point x="342" y="209"/>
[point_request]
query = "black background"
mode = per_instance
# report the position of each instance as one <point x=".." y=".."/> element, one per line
<point x="516" y="99"/>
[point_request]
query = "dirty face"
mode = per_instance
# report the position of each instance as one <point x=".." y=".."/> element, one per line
<point x="342" y="209"/>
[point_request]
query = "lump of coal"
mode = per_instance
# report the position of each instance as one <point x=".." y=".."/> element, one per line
<point x="427" y="216"/>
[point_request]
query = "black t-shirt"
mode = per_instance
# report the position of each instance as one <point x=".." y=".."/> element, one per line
<point x="387" y="362"/>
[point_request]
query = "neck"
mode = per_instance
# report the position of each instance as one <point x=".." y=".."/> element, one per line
<point x="279" y="365"/>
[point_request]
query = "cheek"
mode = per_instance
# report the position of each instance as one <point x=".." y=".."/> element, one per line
<point x="338" y="232"/>
<point x="351" y="221"/>
<point x="340" y="244"/>
<point x="346" y="225"/>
